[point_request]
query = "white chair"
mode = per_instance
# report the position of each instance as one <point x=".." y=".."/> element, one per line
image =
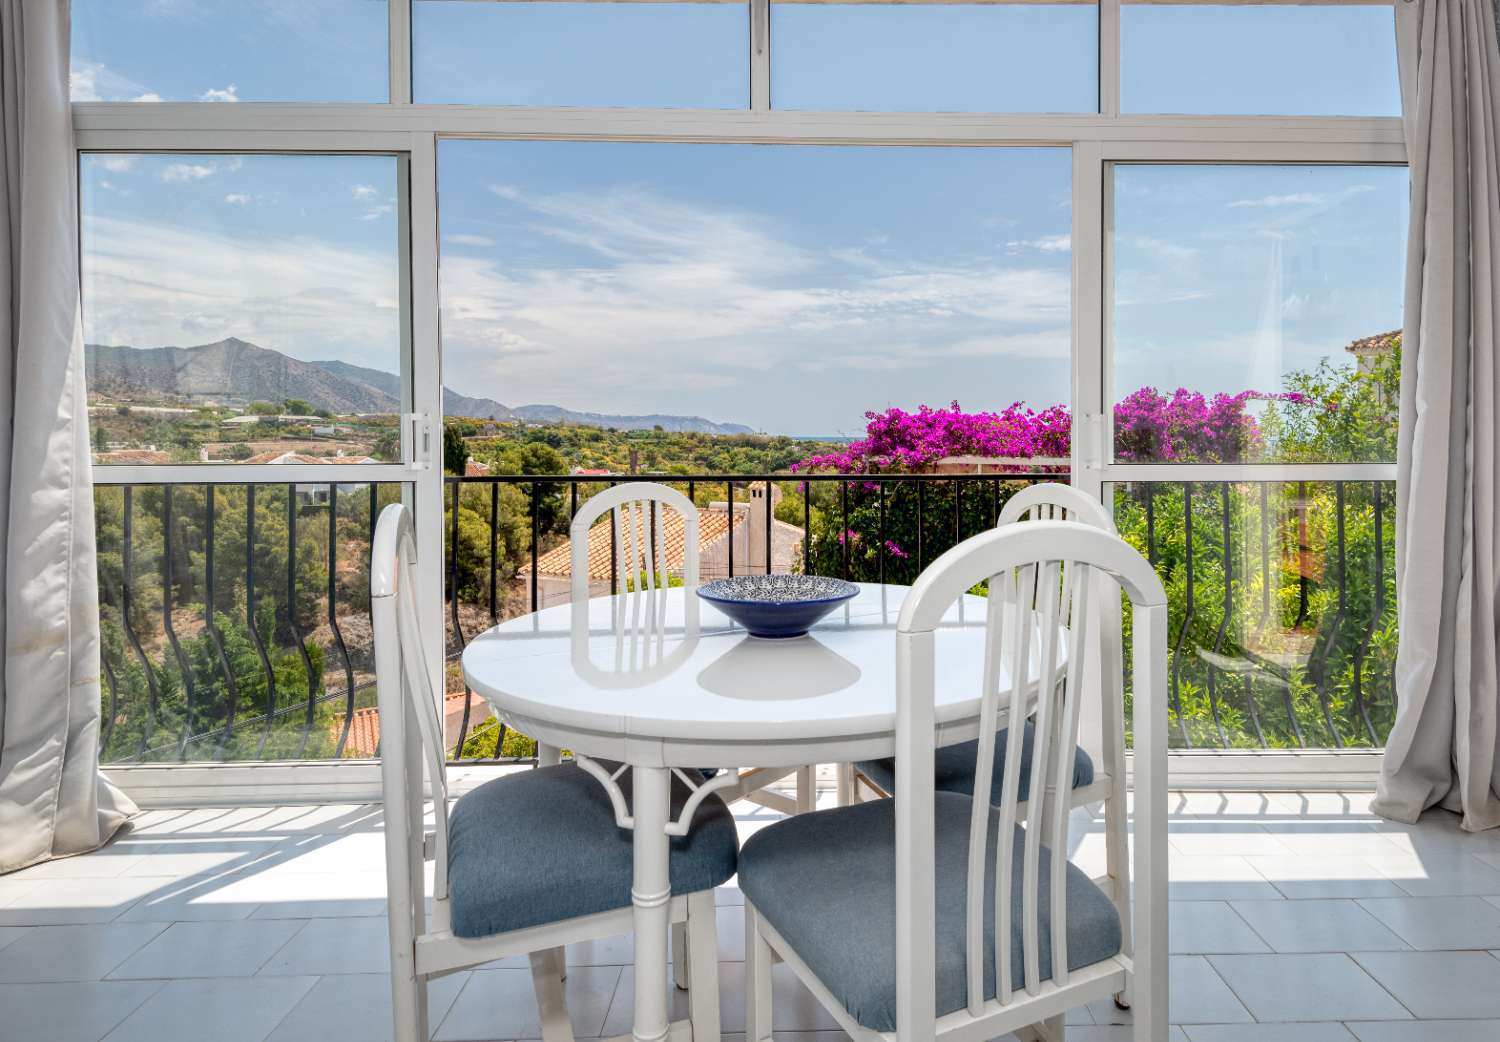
<point x="499" y="853"/>
<point x="887" y="911"/>
<point x="957" y="764"/>
<point x="638" y="528"/>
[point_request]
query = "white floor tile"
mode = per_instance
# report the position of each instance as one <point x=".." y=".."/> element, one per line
<point x="1306" y="876"/>
<point x="332" y="946"/>
<point x="62" y="901"/>
<point x="1197" y="837"/>
<point x="1116" y="1033"/>
<point x="1439" y="923"/>
<point x="1198" y="996"/>
<point x="1317" y="926"/>
<point x="1321" y="838"/>
<point x="105" y="863"/>
<point x="1436" y="985"/>
<point x="500" y="1004"/>
<point x="1215" y="877"/>
<point x="357" y="1007"/>
<point x="1441" y="875"/>
<point x="240" y="1009"/>
<point x="1326" y="804"/>
<point x="10" y="934"/>
<point x="1428" y="1031"/>
<point x="1306" y="987"/>
<point x="235" y="949"/>
<point x="78" y="1012"/>
<point x="1308" y="1032"/>
<point x="189" y="855"/>
<point x="1201" y="927"/>
<point x="73" y="953"/>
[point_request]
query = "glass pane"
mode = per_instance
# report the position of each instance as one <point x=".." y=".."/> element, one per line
<point x="935" y="57"/>
<point x="1257" y="312"/>
<point x="204" y="661"/>
<point x="1329" y="59"/>
<point x="229" y="50"/>
<point x="676" y="310"/>
<point x="1281" y="602"/>
<point x="629" y="55"/>
<point x="241" y="308"/>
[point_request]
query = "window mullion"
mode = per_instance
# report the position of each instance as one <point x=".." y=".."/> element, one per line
<point x="760" y="55"/>
<point x="1109" y="57"/>
<point x="400" y="52"/>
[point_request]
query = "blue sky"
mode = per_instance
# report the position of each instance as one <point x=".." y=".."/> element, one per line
<point x="787" y="287"/>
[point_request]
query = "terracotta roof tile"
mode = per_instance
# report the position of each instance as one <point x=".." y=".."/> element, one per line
<point x="1378" y="344"/>
<point x="364" y="729"/>
<point x="712" y="526"/>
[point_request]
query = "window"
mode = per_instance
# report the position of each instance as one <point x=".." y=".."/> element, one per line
<point x="777" y="289"/>
<point x="1257" y="312"/>
<point x="242" y="308"/>
<point x="935" y="57"/>
<point x="228" y="50"/>
<point x="625" y="54"/>
<point x="1280" y="59"/>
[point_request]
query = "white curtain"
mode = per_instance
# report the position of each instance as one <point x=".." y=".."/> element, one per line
<point x="53" y="800"/>
<point x="1442" y="751"/>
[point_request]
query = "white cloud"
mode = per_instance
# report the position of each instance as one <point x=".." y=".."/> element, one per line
<point x="115" y="164"/>
<point x="229" y="94"/>
<point x="711" y="297"/>
<point x="1301" y="198"/>
<point x="149" y="96"/>
<point x="364" y="192"/>
<point x="1046" y="244"/>
<point x="464" y="239"/>
<point x="177" y="173"/>
<point x="238" y="199"/>
<point x="375" y="213"/>
<point x="150" y="285"/>
<point x="93" y="81"/>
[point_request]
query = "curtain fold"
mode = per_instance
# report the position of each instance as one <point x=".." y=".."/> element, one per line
<point x="53" y="800"/>
<point x="1442" y="750"/>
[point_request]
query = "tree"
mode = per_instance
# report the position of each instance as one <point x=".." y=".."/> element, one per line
<point x="455" y="449"/>
<point x="297" y="407"/>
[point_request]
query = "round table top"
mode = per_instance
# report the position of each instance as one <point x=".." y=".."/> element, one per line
<point x="636" y="677"/>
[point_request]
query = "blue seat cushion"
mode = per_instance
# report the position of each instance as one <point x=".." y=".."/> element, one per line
<point x="954" y="767"/>
<point x="542" y="846"/>
<point x="826" y="882"/>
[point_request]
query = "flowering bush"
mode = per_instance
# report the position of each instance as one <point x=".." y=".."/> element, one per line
<point x="1149" y="426"/>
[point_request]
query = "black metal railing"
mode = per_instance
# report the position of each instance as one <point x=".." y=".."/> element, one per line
<point x="234" y="620"/>
<point x="1281" y="598"/>
<point x="235" y="616"/>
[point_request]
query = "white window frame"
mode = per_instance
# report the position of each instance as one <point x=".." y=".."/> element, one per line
<point x="1096" y="140"/>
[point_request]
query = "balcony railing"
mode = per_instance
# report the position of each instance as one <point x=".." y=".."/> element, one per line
<point x="235" y="617"/>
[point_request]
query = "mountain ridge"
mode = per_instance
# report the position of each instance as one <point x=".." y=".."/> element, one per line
<point x="238" y="371"/>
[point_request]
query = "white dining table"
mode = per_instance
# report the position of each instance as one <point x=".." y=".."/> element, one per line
<point x="660" y="680"/>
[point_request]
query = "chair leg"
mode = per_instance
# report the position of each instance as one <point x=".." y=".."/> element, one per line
<point x="846" y="784"/>
<point x="551" y="1005"/>
<point x="703" y="966"/>
<point x="757" y="979"/>
<point x="807" y="789"/>
<point x="409" y="1008"/>
<point x="680" y="955"/>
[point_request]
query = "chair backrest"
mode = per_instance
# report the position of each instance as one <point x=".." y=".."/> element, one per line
<point x="638" y="529"/>
<point x="411" y="738"/>
<point x="1101" y="720"/>
<point x="1040" y="579"/>
<point x="1052" y="501"/>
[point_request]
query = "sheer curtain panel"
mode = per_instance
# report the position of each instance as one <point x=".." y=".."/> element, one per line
<point x="53" y="800"/>
<point x="1442" y="750"/>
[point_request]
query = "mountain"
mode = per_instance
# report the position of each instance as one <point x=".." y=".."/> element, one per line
<point x="236" y="372"/>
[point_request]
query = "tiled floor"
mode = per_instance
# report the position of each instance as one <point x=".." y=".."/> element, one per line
<point x="1295" y="918"/>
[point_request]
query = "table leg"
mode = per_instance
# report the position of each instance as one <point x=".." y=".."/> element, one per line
<point x="651" y="890"/>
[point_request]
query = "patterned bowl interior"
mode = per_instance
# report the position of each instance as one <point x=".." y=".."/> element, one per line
<point x="778" y="589"/>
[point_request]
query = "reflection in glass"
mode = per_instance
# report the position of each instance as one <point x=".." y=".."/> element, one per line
<point x="241" y="308"/>
<point x="925" y="57"/>
<point x="1281" y="608"/>
<point x="1257" y="312"/>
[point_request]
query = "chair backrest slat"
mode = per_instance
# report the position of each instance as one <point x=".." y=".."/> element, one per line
<point x="1039" y="646"/>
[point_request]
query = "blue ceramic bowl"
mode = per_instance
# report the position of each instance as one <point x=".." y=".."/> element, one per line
<point x="777" y="605"/>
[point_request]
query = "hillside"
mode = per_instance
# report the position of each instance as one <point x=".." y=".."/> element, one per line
<point x="236" y="372"/>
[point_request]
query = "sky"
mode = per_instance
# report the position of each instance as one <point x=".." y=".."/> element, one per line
<point x="790" y="288"/>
